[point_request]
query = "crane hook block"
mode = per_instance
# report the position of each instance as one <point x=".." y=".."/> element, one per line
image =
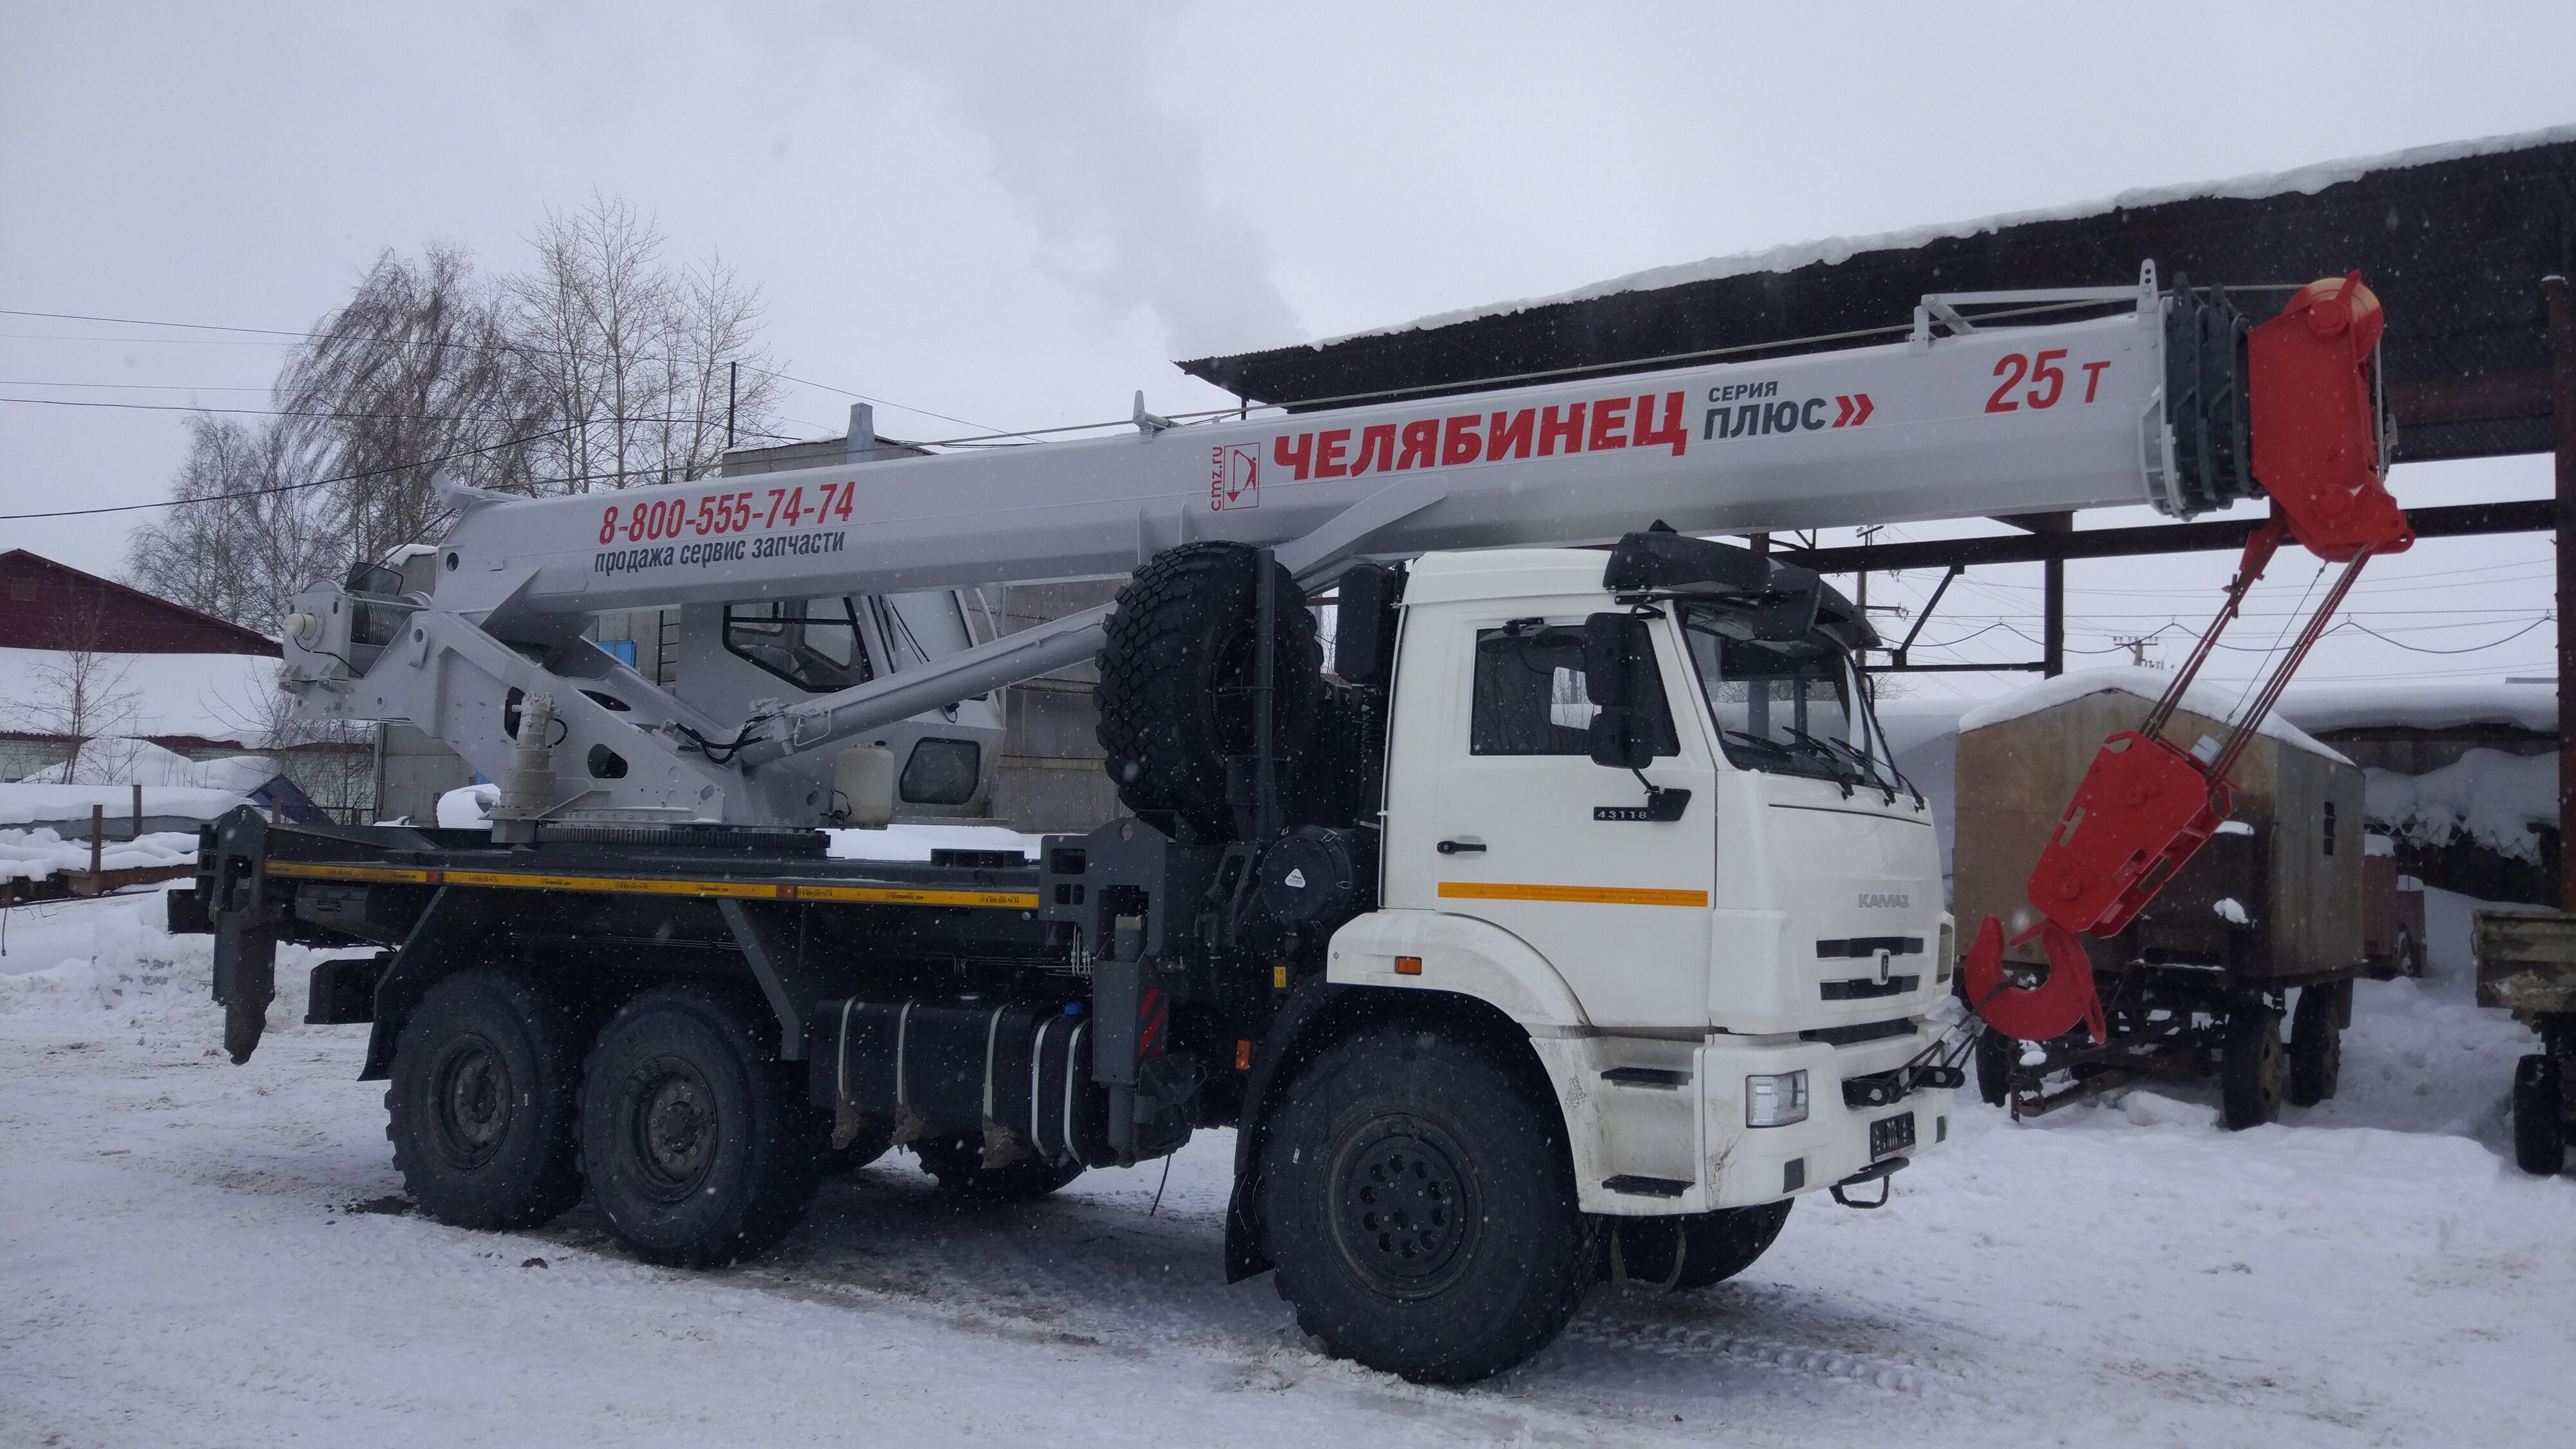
<point x="2142" y="810"/>
<point x="2314" y="431"/>
<point x="2040" y="1012"/>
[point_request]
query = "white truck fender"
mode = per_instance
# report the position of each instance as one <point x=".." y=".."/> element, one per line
<point x="1458" y="954"/>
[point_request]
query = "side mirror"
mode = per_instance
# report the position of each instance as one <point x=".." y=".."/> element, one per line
<point x="1618" y="660"/>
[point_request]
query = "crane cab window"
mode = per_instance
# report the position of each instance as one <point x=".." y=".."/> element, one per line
<point x="1530" y="699"/>
<point x="811" y="643"/>
<point x="920" y="627"/>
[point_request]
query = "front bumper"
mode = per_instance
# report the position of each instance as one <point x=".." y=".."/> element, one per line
<point x="1741" y="1165"/>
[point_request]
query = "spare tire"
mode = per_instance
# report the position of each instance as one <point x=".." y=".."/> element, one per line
<point x="1177" y="671"/>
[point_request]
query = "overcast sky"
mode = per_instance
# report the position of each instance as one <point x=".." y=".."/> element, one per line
<point x="1014" y="215"/>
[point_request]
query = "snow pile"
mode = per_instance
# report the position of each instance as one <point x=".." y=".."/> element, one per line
<point x="31" y="804"/>
<point x="2148" y="685"/>
<point x="115" y="760"/>
<point x="36" y="854"/>
<point x="468" y="807"/>
<point x="2322" y="707"/>
<point x="2486" y="797"/>
<point x="1833" y="251"/>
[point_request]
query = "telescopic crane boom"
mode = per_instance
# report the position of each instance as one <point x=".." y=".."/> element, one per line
<point x="1963" y="418"/>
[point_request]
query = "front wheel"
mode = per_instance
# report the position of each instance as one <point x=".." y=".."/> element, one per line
<point x="2316" y="1045"/>
<point x="698" y="1145"/>
<point x="1422" y="1208"/>
<point x="2539" y="1116"/>
<point x="2252" y="1075"/>
<point x="1714" y="1246"/>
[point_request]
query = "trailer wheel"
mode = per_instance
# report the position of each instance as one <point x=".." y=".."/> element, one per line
<point x="2410" y="955"/>
<point x="1423" y="1211"/>
<point x="1177" y="663"/>
<point x="699" y="1147"/>
<point x="1996" y="1055"/>
<point x="484" y="1100"/>
<point x="2251" y="1073"/>
<point x="958" y="1162"/>
<point x="1715" y="1246"/>
<point x="2539" y="1116"/>
<point x="2316" y="1047"/>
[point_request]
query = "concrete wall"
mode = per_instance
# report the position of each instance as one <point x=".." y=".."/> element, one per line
<point x="1051" y="776"/>
<point x="412" y="771"/>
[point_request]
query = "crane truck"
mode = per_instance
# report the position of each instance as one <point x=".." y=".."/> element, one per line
<point x="1575" y="922"/>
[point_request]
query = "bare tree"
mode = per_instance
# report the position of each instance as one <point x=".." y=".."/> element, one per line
<point x="80" y="693"/>
<point x="416" y="374"/>
<point x="263" y="532"/>
<point x="635" y="358"/>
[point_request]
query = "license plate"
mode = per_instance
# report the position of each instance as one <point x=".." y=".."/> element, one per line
<point x="1889" y="1136"/>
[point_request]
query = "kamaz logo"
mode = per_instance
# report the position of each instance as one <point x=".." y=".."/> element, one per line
<point x="1877" y="901"/>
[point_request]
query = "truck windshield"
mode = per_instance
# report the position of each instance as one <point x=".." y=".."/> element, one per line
<point x="1787" y="706"/>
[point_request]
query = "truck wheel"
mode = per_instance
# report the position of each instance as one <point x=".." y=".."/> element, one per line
<point x="958" y="1163"/>
<point x="2539" y="1116"/>
<point x="1422" y="1208"/>
<point x="2316" y="1047"/>
<point x="1996" y="1056"/>
<point x="1177" y="665"/>
<point x="699" y="1147"/>
<point x="2251" y="1072"/>
<point x="1715" y="1246"/>
<point x="483" y="1102"/>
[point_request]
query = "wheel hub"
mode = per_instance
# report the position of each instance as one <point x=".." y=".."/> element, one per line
<point x="676" y="1130"/>
<point x="1401" y="1208"/>
<point x="474" y="1102"/>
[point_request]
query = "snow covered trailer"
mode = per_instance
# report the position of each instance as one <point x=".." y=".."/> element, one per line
<point x="2265" y="921"/>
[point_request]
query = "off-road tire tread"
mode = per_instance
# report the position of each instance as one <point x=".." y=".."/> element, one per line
<point x="1157" y="724"/>
<point x="785" y="1167"/>
<point x="545" y="1180"/>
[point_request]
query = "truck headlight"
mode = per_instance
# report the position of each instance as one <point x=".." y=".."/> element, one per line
<point x="1776" y="1100"/>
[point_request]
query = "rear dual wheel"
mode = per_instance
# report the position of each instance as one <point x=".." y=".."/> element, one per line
<point x="699" y="1145"/>
<point x="484" y="1101"/>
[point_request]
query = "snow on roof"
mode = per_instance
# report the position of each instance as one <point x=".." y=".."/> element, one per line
<point x="2214" y="700"/>
<point x="214" y="696"/>
<point x="1832" y="251"/>
<point x="2428" y="705"/>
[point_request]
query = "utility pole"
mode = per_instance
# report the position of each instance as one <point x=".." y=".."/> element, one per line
<point x="733" y="386"/>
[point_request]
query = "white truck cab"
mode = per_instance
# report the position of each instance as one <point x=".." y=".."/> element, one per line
<point x="1704" y="975"/>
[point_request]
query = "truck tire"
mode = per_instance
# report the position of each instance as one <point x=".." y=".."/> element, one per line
<point x="2539" y="1116"/>
<point x="1996" y="1054"/>
<point x="1715" y="1246"/>
<point x="1176" y="663"/>
<point x="1422" y="1208"/>
<point x="2316" y="1047"/>
<point x="484" y="1102"/>
<point x="700" y="1148"/>
<point x="958" y="1163"/>
<point x="2251" y="1072"/>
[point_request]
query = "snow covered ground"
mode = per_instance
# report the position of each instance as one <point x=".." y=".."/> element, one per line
<point x="197" y="1253"/>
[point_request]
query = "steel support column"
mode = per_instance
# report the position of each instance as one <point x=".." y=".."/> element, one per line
<point x="2562" y="355"/>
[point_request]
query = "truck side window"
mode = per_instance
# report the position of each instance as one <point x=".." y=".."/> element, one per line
<point x="811" y="643"/>
<point x="1529" y="696"/>
<point x="920" y="628"/>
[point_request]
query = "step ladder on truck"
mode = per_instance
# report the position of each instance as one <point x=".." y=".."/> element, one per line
<point x="1575" y="924"/>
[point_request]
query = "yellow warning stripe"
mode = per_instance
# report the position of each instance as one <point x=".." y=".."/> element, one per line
<point x="641" y="886"/>
<point x="1477" y="890"/>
